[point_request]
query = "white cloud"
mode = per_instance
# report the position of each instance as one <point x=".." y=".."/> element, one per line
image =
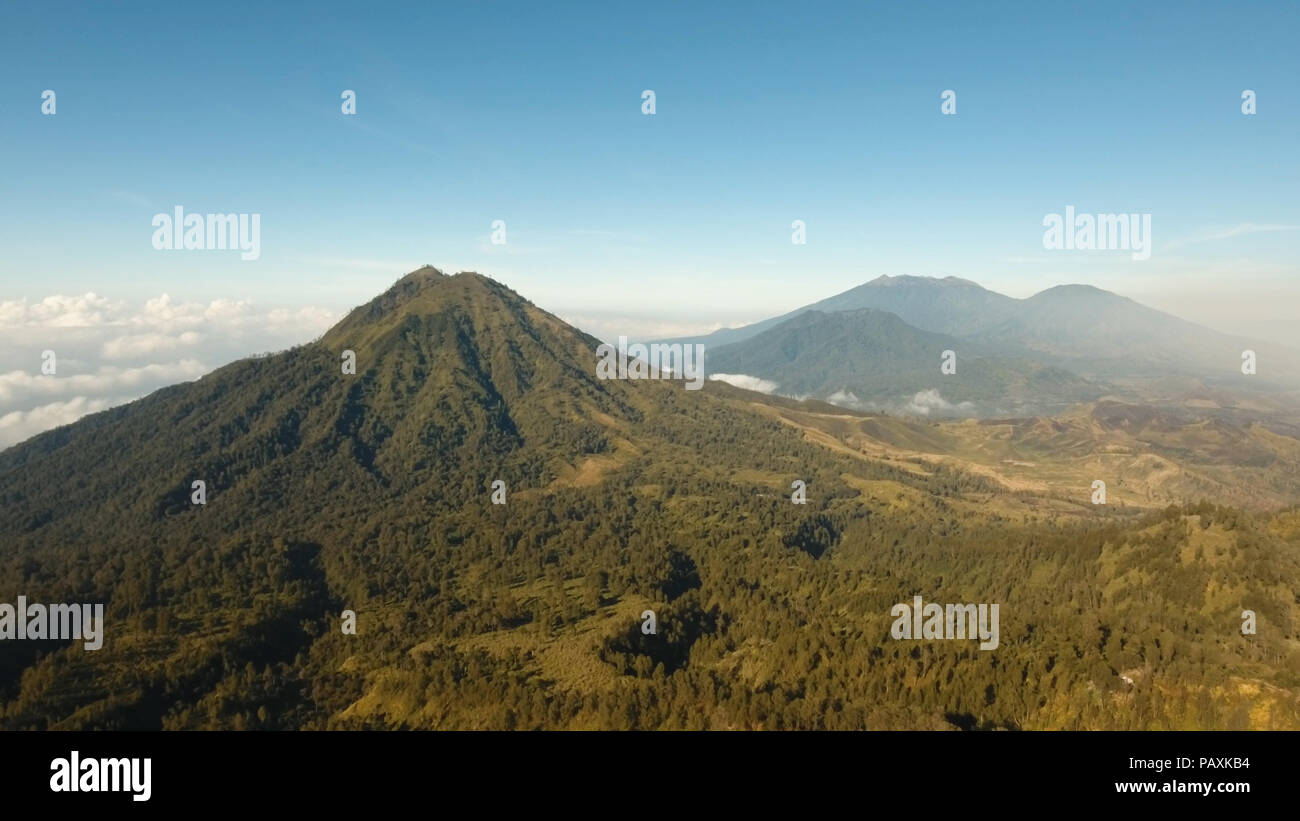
<point x="749" y="383"/>
<point x="847" y="399"/>
<point x="161" y="313"/>
<point x="111" y="351"/>
<point x="922" y="403"/>
<point x="17" y="386"/>
<point x="133" y="345"/>
<point x="930" y="400"/>
<point x="19" y="425"/>
<point x="58" y="311"/>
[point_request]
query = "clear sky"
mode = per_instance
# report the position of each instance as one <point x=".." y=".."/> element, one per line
<point x="531" y="113"/>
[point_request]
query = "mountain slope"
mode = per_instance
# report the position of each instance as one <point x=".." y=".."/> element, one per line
<point x="1111" y="336"/>
<point x="949" y="306"/>
<point x="456" y="378"/>
<point x="873" y="358"/>
<point x="1148" y="456"/>
<point x="1090" y="332"/>
<point x="369" y="494"/>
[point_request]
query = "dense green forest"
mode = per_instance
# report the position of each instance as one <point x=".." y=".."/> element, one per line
<point x="371" y="492"/>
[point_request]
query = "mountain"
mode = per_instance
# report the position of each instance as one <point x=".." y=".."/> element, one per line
<point x="1111" y="336"/>
<point x="949" y="306"/>
<point x="1077" y="332"/>
<point x="332" y="495"/>
<point x="871" y="358"/>
<point x="457" y="367"/>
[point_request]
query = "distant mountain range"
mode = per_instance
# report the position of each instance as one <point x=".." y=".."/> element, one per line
<point x="948" y="306"/>
<point x="879" y="344"/>
<point x="867" y="357"/>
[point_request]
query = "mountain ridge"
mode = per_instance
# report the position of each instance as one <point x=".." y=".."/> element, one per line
<point x="871" y="359"/>
<point x="1095" y="334"/>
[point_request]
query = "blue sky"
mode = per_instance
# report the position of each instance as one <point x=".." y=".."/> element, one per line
<point x="469" y="112"/>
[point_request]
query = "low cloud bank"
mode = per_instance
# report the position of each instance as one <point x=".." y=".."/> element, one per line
<point x="749" y="383"/>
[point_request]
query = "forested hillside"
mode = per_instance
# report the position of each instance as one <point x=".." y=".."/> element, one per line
<point x="372" y="492"/>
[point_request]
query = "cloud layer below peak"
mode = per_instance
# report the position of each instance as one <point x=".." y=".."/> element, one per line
<point x="106" y="352"/>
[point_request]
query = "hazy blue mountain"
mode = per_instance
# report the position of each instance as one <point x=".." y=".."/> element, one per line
<point x="871" y="358"/>
<point x="950" y="305"/>
<point x="1102" y="333"/>
<point x="1085" y="330"/>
